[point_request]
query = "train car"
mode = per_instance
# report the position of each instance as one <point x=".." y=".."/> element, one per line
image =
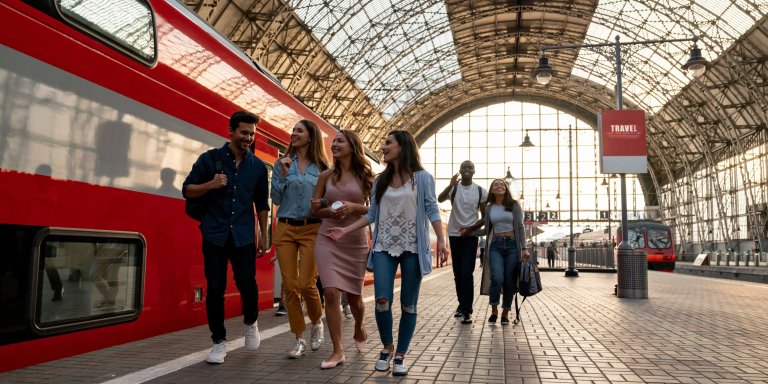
<point x="104" y="107"/>
<point x="655" y="239"/>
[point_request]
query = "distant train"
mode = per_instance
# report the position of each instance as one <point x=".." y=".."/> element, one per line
<point x="104" y="107"/>
<point x="656" y="239"/>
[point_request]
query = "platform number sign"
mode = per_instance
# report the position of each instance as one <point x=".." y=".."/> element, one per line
<point x="604" y="215"/>
<point x="528" y="217"/>
<point x="553" y="215"/>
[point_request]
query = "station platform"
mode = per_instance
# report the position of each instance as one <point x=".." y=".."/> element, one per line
<point x="691" y="329"/>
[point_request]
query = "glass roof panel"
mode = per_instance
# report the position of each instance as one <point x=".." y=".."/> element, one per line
<point x="652" y="73"/>
<point x="387" y="46"/>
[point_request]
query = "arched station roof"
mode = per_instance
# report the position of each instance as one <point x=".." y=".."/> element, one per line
<point x="375" y="65"/>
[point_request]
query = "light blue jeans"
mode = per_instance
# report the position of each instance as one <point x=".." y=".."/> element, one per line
<point x="384" y="269"/>
<point x="503" y="259"/>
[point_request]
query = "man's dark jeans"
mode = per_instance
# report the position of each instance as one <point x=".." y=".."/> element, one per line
<point x="244" y="268"/>
<point x="463" y="256"/>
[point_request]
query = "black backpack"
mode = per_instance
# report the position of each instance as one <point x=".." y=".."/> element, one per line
<point x="197" y="207"/>
<point x="529" y="282"/>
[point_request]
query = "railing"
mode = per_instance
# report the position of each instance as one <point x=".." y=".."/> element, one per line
<point x="739" y="259"/>
<point x="599" y="258"/>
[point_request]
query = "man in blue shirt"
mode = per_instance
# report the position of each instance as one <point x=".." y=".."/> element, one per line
<point x="234" y="180"/>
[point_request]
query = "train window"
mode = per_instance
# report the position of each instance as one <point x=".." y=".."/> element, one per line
<point x="128" y="25"/>
<point x="83" y="279"/>
<point x="658" y="238"/>
<point x="636" y="238"/>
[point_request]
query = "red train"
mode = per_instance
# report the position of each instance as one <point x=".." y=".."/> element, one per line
<point x="655" y="239"/>
<point x="104" y="107"/>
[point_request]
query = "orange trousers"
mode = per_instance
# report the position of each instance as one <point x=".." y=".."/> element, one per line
<point x="295" y="247"/>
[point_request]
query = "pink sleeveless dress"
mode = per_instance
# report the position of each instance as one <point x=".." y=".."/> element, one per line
<point x="341" y="264"/>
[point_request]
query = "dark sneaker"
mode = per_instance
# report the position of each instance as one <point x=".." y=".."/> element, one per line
<point x="399" y="368"/>
<point x="281" y="311"/>
<point x="382" y="363"/>
<point x="458" y="312"/>
<point x="467" y="319"/>
<point x="492" y="318"/>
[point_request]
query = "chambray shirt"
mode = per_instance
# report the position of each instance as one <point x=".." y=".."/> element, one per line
<point x="292" y="192"/>
<point x="427" y="212"/>
<point x="230" y="209"/>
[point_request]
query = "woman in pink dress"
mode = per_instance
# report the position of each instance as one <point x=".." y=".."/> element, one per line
<point x="340" y="199"/>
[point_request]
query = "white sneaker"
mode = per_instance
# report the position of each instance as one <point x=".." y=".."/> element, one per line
<point x="317" y="338"/>
<point x="382" y="362"/>
<point x="217" y="354"/>
<point x="347" y="312"/>
<point x="299" y="349"/>
<point x="252" y="336"/>
<point x="399" y="368"/>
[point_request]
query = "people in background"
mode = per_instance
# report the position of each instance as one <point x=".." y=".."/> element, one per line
<point x="504" y="224"/>
<point x="466" y="198"/>
<point x="551" y="254"/>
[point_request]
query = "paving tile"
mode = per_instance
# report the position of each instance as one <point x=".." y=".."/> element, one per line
<point x="573" y="331"/>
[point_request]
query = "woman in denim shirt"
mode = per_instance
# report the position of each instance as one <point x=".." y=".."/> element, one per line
<point x="294" y="178"/>
<point x="403" y="206"/>
<point x="503" y="220"/>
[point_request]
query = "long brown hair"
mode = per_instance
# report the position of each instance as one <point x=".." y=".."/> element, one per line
<point x="408" y="162"/>
<point x="316" y="151"/>
<point x="360" y="166"/>
<point x="507" y="201"/>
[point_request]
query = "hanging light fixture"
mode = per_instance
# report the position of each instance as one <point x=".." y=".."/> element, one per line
<point x="527" y="141"/>
<point x="696" y="64"/>
<point x="543" y="72"/>
<point x="604" y="183"/>
<point x="508" y="178"/>
<point x="558" y="196"/>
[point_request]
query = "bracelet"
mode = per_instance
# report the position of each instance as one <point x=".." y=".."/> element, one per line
<point x="324" y="202"/>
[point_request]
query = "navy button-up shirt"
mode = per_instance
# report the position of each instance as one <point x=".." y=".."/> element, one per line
<point x="230" y="209"/>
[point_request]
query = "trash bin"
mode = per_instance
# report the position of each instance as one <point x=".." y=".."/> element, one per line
<point x="632" y="274"/>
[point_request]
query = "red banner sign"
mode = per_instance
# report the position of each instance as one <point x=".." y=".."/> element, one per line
<point x="623" y="142"/>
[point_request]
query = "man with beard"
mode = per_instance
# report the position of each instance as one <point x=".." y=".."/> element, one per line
<point x="232" y="180"/>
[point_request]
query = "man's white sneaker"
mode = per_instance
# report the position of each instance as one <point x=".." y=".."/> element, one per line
<point x="347" y="312"/>
<point x="217" y="354"/>
<point x="317" y="338"/>
<point x="299" y="349"/>
<point x="382" y="363"/>
<point x="399" y="368"/>
<point x="252" y="336"/>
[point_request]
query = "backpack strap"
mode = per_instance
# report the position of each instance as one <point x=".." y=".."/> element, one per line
<point x="218" y="163"/>
<point x="479" y="195"/>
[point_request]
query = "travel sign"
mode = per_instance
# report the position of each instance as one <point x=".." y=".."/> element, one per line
<point x="622" y="141"/>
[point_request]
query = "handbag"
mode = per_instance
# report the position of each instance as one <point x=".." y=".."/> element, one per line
<point x="485" y="282"/>
<point x="197" y="207"/>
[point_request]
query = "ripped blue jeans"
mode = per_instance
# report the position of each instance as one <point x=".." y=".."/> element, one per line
<point x="384" y="270"/>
